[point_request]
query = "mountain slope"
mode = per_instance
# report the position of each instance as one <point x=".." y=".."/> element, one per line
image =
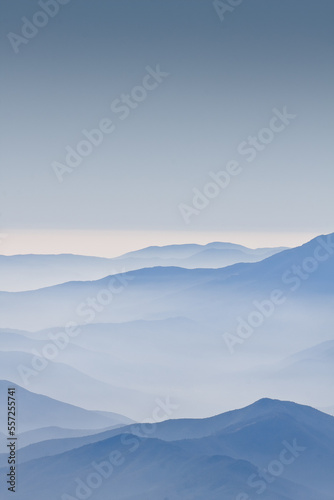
<point x="161" y="292"/>
<point x="38" y="411"/>
<point x="222" y="459"/>
<point x="30" y="272"/>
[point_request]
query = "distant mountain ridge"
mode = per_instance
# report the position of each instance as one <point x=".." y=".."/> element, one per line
<point x="166" y="288"/>
<point x="29" y="272"/>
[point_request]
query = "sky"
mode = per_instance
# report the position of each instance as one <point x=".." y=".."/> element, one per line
<point x="214" y="124"/>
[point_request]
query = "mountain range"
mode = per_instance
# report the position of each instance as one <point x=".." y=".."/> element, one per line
<point x="29" y="272"/>
<point x="157" y="325"/>
<point x="162" y="338"/>
<point x="271" y="449"/>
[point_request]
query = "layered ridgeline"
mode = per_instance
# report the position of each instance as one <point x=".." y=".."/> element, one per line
<point x="163" y="292"/>
<point x="29" y="272"/>
<point x="272" y="449"/>
<point x="212" y="339"/>
<point x="38" y="412"/>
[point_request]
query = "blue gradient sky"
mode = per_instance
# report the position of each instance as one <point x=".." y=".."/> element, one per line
<point x="225" y="79"/>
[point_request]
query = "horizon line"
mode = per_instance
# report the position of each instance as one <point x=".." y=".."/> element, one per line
<point x="113" y="244"/>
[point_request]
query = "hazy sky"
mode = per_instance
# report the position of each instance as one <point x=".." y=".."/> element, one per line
<point x="225" y="77"/>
